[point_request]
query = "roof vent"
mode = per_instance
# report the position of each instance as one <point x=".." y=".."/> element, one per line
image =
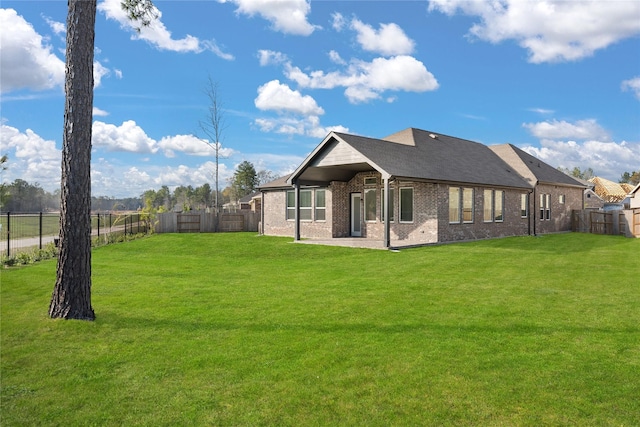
<point x="433" y="136"/>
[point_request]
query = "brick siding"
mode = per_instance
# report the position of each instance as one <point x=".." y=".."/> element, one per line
<point x="430" y="213"/>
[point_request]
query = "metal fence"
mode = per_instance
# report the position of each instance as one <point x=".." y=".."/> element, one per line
<point x="20" y="232"/>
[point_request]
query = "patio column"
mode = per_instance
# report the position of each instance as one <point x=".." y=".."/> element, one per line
<point x="297" y="222"/>
<point x="385" y="206"/>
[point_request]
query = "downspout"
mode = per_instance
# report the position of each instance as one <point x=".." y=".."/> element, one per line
<point x="262" y="212"/>
<point x="385" y="207"/>
<point x="296" y="236"/>
<point x="534" y="214"/>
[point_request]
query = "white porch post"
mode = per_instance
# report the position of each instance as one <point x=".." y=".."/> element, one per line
<point x="297" y="222"/>
<point x="385" y="206"/>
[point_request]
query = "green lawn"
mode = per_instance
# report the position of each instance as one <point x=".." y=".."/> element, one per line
<point x="237" y="329"/>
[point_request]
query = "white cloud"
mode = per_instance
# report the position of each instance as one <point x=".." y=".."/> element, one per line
<point x="58" y="28"/>
<point x="336" y="58"/>
<point x="157" y="34"/>
<point x="288" y="17"/>
<point x="389" y="40"/>
<point x="128" y="137"/>
<point x="275" y="96"/>
<point x="608" y="159"/>
<point x="26" y="59"/>
<point x="98" y="112"/>
<point x="99" y="71"/>
<point x="270" y="57"/>
<point x="337" y="21"/>
<point x="31" y="157"/>
<point x="632" y="85"/>
<point x="365" y="81"/>
<point x="191" y="145"/>
<point x="551" y="30"/>
<point x="554" y="129"/>
<point x="541" y="110"/>
<point x="584" y="144"/>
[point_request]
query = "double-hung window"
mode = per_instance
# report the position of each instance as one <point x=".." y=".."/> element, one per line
<point x="493" y="206"/>
<point x="321" y="206"/>
<point x="524" y="205"/>
<point x="306" y="205"/>
<point x="545" y="206"/>
<point x="406" y="204"/>
<point x="460" y="205"/>
<point x="498" y="206"/>
<point x="454" y="204"/>
<point x="370" y="204"/>
<point x="488" y="206"/>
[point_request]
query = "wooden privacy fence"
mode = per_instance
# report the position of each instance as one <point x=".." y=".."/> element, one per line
<point x="623" y="222"/>
<point x="205" y="222"/>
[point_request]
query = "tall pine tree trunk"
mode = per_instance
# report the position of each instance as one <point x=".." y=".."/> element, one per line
<point x="71" y="297"/>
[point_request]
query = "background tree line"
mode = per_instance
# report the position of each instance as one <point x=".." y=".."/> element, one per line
<point x="21" y="196"/>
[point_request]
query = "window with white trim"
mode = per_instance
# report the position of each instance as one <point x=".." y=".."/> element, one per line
<point x="488" y="205"/>
<point x="406" y="204"/>
<point x="320" y="207"/>
<point x="306" y="205"/>
<point x="454" y="204"/>
<point x="493" y="206"/>
<point x="498" y="206"/>
<point x="467" y="205"/>
<point x="461" y="206"/>
<point x="524" y="205"/>
<point x="370" y="204"/>
<point x="545" y="206"/>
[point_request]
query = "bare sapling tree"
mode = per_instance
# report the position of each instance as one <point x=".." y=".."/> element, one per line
<point x="71" y="297"/>
<point x="213" y="126"/>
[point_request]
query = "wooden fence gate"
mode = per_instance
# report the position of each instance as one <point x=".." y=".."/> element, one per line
<point x="188" y="223"/>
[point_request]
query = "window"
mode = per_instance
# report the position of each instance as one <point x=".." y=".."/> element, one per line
<point x="454" y="204"/>
<point x="321" y="207"/>
<point x="493" y="205"/>
<point x="545" y="206"/>
<point x="561" y="199"/>
<point x="547" y="210"/>
<point x="406" y="205"/>
<point x="305" y="204"/>
<point x="467" y="205"/>
<point x="488" y="205"/>
<point x="391" y="205"/>
<point x="370" y="204"/>
<point x="524" y="205"/>
<point x="460" y="202"/>
<point x="498" y="206"/>
<point x="291" y="205"/>
<point x="370" y="181"/>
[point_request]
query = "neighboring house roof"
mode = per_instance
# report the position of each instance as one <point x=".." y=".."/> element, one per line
<point x="609" y="191"/>
<point x="248" y="197"/>
<point x="634" y="191"/>
<point x="410" y="154"/>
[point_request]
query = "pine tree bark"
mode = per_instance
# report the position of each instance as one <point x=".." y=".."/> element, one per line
<point x="71" y="297"/>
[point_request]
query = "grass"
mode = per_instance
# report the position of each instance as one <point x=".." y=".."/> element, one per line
<point x="236" y="329"/>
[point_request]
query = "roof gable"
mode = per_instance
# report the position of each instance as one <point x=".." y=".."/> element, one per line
<point x="533" y="169"/>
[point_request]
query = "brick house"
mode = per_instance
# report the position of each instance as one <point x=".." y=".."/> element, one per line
<point x="416" y="187"/>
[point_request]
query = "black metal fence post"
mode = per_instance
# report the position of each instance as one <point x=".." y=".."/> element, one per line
<point x="40" y="233"/>
<point x="98" y="226"/>
<point x="8" y="234"/>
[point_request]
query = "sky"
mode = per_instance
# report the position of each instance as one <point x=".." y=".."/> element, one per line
<point x="559" y="79"/>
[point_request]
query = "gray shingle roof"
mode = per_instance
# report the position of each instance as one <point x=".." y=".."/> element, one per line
<point x="426" y="155"/>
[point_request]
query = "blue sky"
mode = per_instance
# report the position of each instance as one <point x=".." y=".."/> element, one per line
<point x="560" y="79"/>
